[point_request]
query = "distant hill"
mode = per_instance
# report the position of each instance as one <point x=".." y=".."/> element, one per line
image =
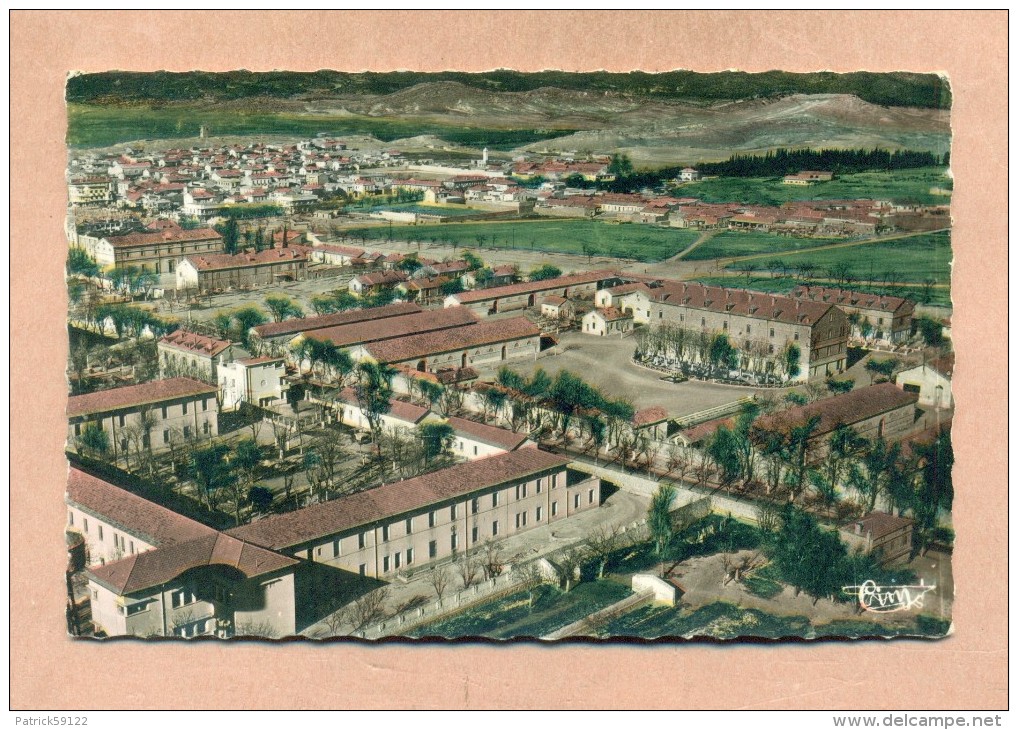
<point x="901" y="89"/>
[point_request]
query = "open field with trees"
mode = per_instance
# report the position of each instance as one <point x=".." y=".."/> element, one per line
<point x="897" y="185"/>
<point x="593" y="238"/>
<point x="747" y="243"/>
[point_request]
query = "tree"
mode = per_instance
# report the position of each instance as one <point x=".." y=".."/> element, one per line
<point x="884" y="368"/>
<point x="659" y="516"/>
<point x="230" y="233"/>
<point x="792" y="355"/>
<point x="374" y="394"/>
<point x="94" y="441"/>
<point x="260" y="498"/>
<point x="870" y="473"/>
<point x="210" y="472"/>
<point x="247" y="318"/>
<point x="439" y="579"/>
<point x="602" y="544"/>
<point x="620" y="165"/>
<point x="282" y="307"/>
<point x="468" y="567"/>
<point x="437" y="438"/>
<point x="798" y="454"/>
<point x="840" y="386"/>
<point x="931" y="331"/>
<point x="245" y="460"/>
<point x="569" y="563"/>
<point x="453" y="286"/>
<point x="810" y="558"/>
<point x="724" y="449"/>
<point x="79" y="262"/>
<point x="935" y="488"/>
<point x="544" y="272"/>
<point x="473" y="261"/>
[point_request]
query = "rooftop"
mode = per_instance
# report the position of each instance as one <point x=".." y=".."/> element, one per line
<point x="876" y="525"/>
<point x="294" y="326"/>
<point x="133" y="396"/>
<point x="192" y="342"/>
<point x="528" y="287"/>
<point x="449" y="340"/>
<point x="845" y="409"/>
<point x="133" y="514"/>
<point x="399" y="498"/>
<point x="410" y="324"/>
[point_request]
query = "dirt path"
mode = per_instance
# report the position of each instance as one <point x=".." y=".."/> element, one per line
<point x="703" y="238"/>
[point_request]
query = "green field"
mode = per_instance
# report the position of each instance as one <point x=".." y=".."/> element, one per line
<point x="632" y="241"/>
<point x="101" y="126"/>
<point x="897" y="185"/>
<point x="739" y="243"/>
<point x="512" y="615"/>
<point x="912" y="259"/>
<point x="936" y="296"/>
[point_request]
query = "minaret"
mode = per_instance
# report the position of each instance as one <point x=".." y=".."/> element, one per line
<point x="484" y="157"/>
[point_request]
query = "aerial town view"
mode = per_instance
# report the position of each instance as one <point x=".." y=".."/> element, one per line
<point x="509" y="355"/>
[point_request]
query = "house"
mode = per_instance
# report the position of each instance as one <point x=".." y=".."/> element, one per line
<point x="336" y="255"/>
<point x="219" y="272"/>
<point x="623" y="297"/>
<point x="115" y="523"/>
<point x="873" y="316"/>
<point x="90" y="192"/>
<point x="401" y="414"/>
<point x="380" y="532"/>
<point x="931" y="381"/>
<point x="879" y="411"/>
<point x="257" y="380"/>
<point x="146" y="416"/>
<point x="687" y="174"/>
<point x="606" y="322"/>
<point x="886" y="537"/>
<point x="473" y="440"/>
<point x="772" y="333"/>
<point x="555" y="307"/>
<point x="156" y="251"/>
<point x="652" y="421"/>
<point x="424" y="289"/>
<point x="493" y="300"/>
<point x="365" y="284"/>
<point x="376" y="330"/>
<point x="808" y="177"/>
<point x="192" y="355"/>
<point x="485" y="343"/>
<point x="272" y="336"/>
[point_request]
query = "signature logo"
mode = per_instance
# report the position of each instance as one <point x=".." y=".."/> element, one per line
<point x="887" y="599"/>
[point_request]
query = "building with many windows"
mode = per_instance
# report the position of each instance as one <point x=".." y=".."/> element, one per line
<point x="382" y="531"/>
<point x="149" y="415"/>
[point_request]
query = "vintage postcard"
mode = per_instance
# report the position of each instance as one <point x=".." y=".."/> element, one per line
<point x="509" y="355"/>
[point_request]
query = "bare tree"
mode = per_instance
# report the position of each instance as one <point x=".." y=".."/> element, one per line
<point x="439" y="580"/>
<point x="468" y="567"/>
<point x="569" y="564"/>
<point x="492" y="564"/>
<point x="369" y="608"/>
<point x="602" y="543"/>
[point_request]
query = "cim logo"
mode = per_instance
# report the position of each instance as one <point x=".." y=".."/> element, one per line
<point x="887" y="599"/>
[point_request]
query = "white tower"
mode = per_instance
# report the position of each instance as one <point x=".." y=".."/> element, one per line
<point x="484" y="157"/>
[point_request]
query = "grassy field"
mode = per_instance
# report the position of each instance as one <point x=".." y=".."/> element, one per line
<point x="513" y="616"/>
<point x="936" y="296"/>
<point x="738" y="243"/>
<point x="912" y="259"/>
<point x="897" y="185"/>
<point x="101" y="126"/>
<point x="644" y="243"/>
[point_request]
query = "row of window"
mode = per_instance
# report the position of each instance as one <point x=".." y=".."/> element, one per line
<point x="119" y="541"/>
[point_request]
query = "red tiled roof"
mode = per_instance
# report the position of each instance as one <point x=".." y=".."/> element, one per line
<point x="876" y="525"/>
<point x="400" y="498"/>
<point x="156" y="567"/>
<point x="133" y="514"/>
<point x="648" y="416"/>
<point x="845" y="409"/>
<point x="267" y="257"/>
<point x="611" y="314"/>
<point x="377" y="330"/>
<point x="740" y="302"/>
<point x="702" y="431"/>
<point x="193" y="342"/>
<point x="847" y="298"/>
<point x="350" y="251"/>
<point x="492" y="435"/>
<point x="168" y="235"/>
<point x="133" y="396"/>
<point x="400" y="409"/>
<point x="449" y="340"/>
<point x="528" y="287"/>
<point x="308" y="324"/>
<point x="381" y="277"/>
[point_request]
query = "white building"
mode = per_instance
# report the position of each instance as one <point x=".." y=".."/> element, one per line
<point x="605" y="322"/>
<point x="932" y="381"/>
<point x="257" y="380"/>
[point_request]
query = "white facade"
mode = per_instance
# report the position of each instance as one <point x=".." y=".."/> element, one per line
<point x="933" y="387"/>
<point x="260" y="381"/>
